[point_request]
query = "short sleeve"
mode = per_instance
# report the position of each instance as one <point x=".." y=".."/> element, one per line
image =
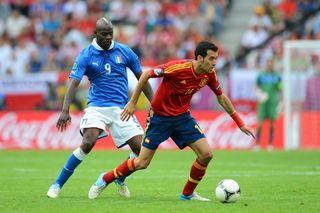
<point x="214" y="84"/>
<point x="79" y="67"/>
<point x="134" y="63"/>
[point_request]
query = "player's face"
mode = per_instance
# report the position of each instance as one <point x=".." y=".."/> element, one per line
<point x="208" y="63"/>
<point x="270" y="65"/>
<point x="104" y="37"/>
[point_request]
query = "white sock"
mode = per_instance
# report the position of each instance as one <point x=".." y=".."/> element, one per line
<point x="78" y="153"/>
<point x="132" y="155"/>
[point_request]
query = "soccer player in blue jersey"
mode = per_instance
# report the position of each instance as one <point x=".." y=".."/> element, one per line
<point x="170" y="117"/>
<point x="105" y="63"/>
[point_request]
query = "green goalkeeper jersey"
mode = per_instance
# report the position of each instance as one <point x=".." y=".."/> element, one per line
<point x="270" y="83"/>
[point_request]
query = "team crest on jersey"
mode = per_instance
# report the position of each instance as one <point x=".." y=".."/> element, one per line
<point x="157" y="71"/>
<point x="203" y="82"/>
<point x="74" y="67"/>
<point x="118" y="59"/>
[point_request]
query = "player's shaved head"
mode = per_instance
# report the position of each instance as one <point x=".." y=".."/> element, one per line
<point x="104" y="33"/>
<point x="103" y="23"/>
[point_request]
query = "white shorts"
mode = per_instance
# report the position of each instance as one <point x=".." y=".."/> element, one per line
<point x="109" y="118"/>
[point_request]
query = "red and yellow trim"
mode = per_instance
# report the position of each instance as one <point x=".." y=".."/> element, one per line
<point x="198" y="166"/>
<point x="175" y="67"/>
<point x="193" y="180"/>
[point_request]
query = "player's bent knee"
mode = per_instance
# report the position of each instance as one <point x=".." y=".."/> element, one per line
<point x="206" y="157"/>
<point x="87" y="145"/>
<point x="141" y="164"/>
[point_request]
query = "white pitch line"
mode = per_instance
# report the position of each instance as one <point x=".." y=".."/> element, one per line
<point x="173" y="176"/>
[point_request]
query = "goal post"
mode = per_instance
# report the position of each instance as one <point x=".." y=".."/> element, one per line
<point x="294" y="83"/>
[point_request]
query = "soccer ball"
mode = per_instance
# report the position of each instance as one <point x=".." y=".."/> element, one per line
<point x="228" y="191"/>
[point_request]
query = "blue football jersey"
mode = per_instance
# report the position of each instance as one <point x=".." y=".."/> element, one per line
<point x="107" y="73"/>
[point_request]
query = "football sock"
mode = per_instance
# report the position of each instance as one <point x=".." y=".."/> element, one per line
<point x="124" y="169"/>
<point x="122" y="178"/>
<point x="74" y="160"/>
<point x="271" y="135"/>
<point x="258" y="135"/>
<point x="196" y="173"/>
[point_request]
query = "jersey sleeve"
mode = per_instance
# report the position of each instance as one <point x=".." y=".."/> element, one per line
<point x="79" y="67"/>
<point x="134" y="63"/>
<point x="214" y="84"/>
<point x="163" y="70"/>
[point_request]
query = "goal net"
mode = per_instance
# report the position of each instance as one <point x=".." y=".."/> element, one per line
<point x="301" y="92"/>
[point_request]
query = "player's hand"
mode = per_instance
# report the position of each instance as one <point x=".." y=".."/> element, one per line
<point x="63" y="121"/>
<point x="127" y="111"/>
<point x="247" y="131"/>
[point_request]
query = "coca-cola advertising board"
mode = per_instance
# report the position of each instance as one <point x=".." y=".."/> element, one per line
<point x="37" y="130"/>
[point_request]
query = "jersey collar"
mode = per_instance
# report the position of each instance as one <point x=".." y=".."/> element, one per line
<point x="96" y="45"/>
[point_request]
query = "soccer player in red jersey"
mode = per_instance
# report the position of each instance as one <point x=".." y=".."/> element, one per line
<point x="170" y="117"/>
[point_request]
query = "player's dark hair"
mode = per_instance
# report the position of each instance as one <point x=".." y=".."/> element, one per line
<point x="203" y="47"/>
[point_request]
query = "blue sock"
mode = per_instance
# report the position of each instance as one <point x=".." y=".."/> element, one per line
<point x="123" y="178"/>
<point x="68" y="169"/>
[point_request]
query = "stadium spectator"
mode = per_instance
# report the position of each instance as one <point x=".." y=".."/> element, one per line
<point x="105" y="63"/>
<point x="253" y="37"/>
<point x="16" y="24"/>
<point x="6" y="52"/>
<point x="50" y="25"/>
<point x="269" y="86"/>
<point x="62" y="21"/>
<point x="170" y="117"/>
<point x="312" y="100"/>
<point x="261" y="19"/>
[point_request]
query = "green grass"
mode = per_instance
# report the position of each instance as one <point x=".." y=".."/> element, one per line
<point x="270" y="182"/>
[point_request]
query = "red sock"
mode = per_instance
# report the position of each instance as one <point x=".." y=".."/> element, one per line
<point x="124" y="169"/>
<point x="196" y="173"/>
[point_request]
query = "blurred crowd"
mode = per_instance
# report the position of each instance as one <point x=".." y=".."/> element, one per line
<point x="267" y="24"/>
<point x="39" y="36"/>
<point x="46" y="35"/>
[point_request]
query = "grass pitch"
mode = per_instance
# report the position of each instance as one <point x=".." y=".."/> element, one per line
<point x="269" y="182"/>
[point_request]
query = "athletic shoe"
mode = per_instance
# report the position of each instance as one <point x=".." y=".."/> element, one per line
<point x="54" y="190"/>
<point x="97" y="187"/>
<point x="193" y="196"/>
<point x="122" y="189"/>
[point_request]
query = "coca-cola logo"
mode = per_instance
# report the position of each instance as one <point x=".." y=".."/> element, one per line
<point x="28" y="133"/>
<point x="42" y="134"/>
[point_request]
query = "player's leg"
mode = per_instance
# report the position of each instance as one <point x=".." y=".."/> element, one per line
<point x="198" y="169"/>
<point x="258" y="135"/>
<point x="135" y="145"/>
<point x="272" y="114"/>
<point x="157" y="131"/>
<point x="188" y="133"/>
<point x="261" y="117"/>
<point x="124" y="133"/>
<point x="271" y="133"/>
<point x="90" y="136"/>
<point x="125" y="169"/>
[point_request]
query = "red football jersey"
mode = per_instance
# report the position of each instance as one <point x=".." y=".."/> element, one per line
<point x="179" y="83"/>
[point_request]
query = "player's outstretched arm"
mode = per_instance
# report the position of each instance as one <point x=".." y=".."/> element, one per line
<point x="65" y="117"/>
<point x="225" y="102"/>
<point x="147" y="90"/>
<point x="130" y="107"/>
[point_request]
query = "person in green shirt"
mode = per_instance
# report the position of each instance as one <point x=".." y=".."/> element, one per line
<point x="269" y="86"/>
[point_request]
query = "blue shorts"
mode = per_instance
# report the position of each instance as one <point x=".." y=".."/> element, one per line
<point x="182" y="129"/>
